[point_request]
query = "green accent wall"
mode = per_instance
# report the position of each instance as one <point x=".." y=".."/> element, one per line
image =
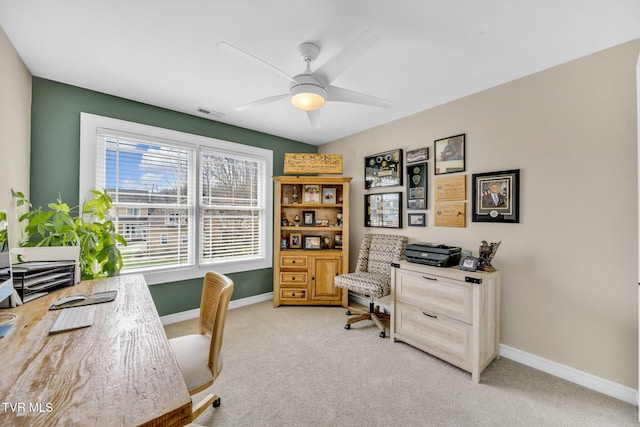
<point x="55" y="154"/>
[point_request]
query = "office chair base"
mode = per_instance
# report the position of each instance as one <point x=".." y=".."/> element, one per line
<point x="372" y="314"/>
<point x="199" y="408"/>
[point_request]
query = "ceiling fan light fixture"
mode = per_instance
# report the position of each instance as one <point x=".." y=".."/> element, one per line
<point x="308" y="97"/>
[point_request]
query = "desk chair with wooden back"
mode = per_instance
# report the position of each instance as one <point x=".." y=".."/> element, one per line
<point x="372" y="277"/>
<point x="199" y="356"/>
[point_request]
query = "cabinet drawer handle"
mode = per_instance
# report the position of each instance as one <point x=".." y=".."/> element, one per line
<point x="429" y="278"/>
<point x="433" y="316"/>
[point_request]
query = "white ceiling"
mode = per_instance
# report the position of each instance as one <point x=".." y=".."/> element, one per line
<point x="429" y="52"/>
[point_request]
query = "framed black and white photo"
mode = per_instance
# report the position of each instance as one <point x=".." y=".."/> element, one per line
<point x="417" y="186"/>
<point x="449" y="154"/>
<point x="309" y="218"/>
<point x="496" y="196"/>
<point x="417" y="220"/>
<point x="383" y="169"/>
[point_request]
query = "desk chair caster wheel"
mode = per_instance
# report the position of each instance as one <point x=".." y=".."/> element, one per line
<point x="216" y="403"/>
<point x="348" y="313"/>
<point x="382" y="335"/>
<point x="347" y="326"/>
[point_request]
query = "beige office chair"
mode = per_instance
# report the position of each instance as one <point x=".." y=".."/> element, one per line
<point x="372" y="277"/>
<point x="199" y="357"/>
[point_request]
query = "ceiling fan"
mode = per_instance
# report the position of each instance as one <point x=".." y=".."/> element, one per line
<point x="310" y="90"/>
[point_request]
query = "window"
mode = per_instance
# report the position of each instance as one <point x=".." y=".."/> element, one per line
<point x="186" y="204"/>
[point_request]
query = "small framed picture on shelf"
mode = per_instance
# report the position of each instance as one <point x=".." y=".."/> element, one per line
<point x="329" y="196"/>
<point x="417" y="220"/>
<point x="338" y="241"/>
<point x="322" y="223"/>
<point x="311" y="193"/>
<point x="312" y="242"/>
<point x="295" y="240"/>
<point x="469" y="263"/>
<point x="309" y="218"/>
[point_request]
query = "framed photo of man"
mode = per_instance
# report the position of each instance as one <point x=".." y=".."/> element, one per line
<point x="496" y="196"/>
<point x="449" y="154"/>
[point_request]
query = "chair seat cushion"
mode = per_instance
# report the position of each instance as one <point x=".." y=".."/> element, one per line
<point x="192" y="354"/>
<point x="370" y="284"/>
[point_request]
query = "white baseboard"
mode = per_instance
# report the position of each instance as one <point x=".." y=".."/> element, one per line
<point x="192" y="314"/>
<point x="601" y="385"/>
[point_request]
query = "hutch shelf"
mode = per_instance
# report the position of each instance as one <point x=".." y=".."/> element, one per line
<point x="311" y="239"/>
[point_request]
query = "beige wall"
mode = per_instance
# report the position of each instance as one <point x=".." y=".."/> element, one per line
<point x="569" y="268"/>
<point x="15" y="128"/>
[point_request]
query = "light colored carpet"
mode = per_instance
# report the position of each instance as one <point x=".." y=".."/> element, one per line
<point x="298" y="366"/>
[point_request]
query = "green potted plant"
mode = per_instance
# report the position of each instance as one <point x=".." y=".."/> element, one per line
<point x="87" y="226"/>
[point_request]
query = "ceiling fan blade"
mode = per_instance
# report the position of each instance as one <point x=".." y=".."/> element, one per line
<point x="339" y="94"/>
<point x="242" y="54"/>
<point x="260" y="102"/>
<point x="347" y="56"/>
<point x="314" y="118"/>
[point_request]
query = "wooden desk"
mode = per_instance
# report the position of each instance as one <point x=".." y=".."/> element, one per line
<point x="119" y="372"/>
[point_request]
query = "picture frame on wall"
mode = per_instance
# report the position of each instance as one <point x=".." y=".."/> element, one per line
<point x="449" y="154"/>
<point x="417" y="186"/>
<point x="383" y="210"/>
<point x="419" y="155"/>
<point x="417" y="220"/>
<point x="496" y="196"/>
<point x="383" y="169"/>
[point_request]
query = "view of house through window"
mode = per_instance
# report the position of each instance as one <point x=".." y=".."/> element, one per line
<point x="181" y="204"/>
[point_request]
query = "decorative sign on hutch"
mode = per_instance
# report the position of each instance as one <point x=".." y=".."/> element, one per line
<point x="310" y="163"/>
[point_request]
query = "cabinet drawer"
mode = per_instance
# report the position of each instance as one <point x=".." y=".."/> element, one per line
<point x="293" y="262"/>
<point x="436" y="294"/>
<point x="446" y="338"/>
<point x="293" y="278"/>
<point x="293" y="294"/>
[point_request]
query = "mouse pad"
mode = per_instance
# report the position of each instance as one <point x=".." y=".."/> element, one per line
<point x="97" y="298"/>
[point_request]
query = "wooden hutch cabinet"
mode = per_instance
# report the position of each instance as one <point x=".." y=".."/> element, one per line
<point x="311" y="239"/>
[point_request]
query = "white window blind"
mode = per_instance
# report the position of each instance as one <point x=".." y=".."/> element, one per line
<point x="232" y="206"/>
<point x="185" y="203"/>
<point x="152" y="186"/>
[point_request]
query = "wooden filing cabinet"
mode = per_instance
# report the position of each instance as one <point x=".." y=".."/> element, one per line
<point x="449" y="313"/>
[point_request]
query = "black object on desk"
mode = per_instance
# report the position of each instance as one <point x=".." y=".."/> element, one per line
<point x="97" y="298"/>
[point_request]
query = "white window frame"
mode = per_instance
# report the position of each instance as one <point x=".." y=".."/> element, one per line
<point x="89" y="125"/>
